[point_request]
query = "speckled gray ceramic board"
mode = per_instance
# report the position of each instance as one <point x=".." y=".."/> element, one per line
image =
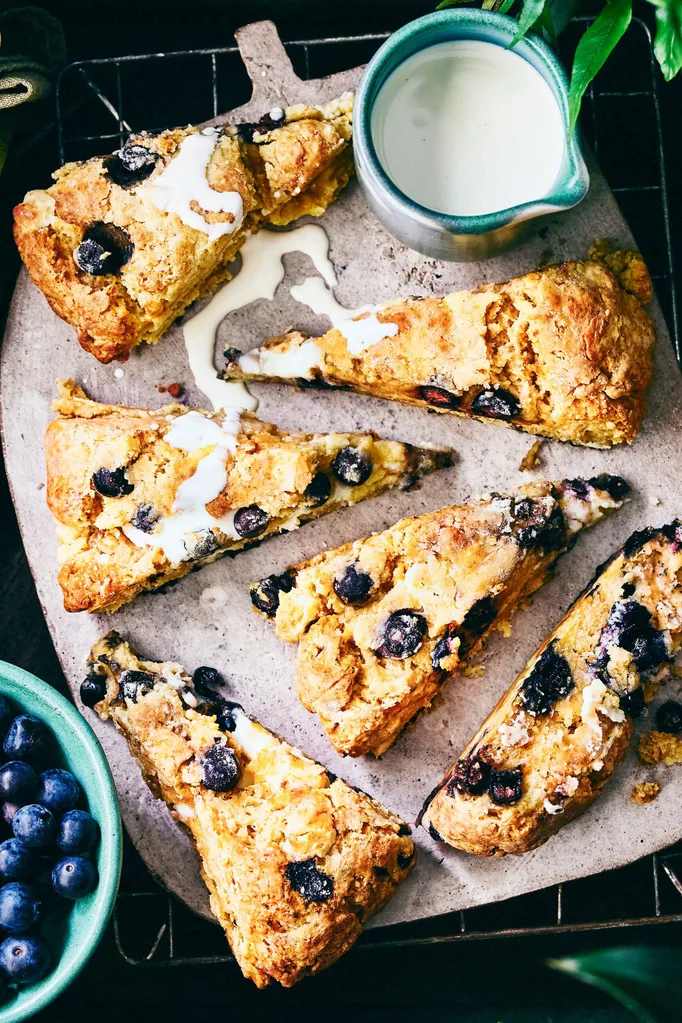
<point x="207" y="617"/>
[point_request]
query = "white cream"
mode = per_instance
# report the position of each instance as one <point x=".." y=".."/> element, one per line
<point x="183" y="182"/>
<point x="468" y="127"/>
<point x="192" y="432"/>
<point x="261" y="273"/>
<point x="298" y="362"/>
<point x="251" y="736"/>
<point x="552" y="808"/>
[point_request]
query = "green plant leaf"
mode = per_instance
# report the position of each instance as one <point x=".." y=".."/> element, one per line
<point x="593" y="50"/>
<point x="452" y="3"/>
<point x="668" y="41"/>
<point x="506" y="6"/>
<point x="561" y="12"/>
<point x="647" y="981"/>
<point x="530" y="12"/>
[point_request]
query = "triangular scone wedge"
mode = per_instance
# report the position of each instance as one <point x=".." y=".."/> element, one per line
<point x="562" y="352"/>
<point x="143" y="497"/>
<point x="547" y="750"/>
<point x="382" y="622"/>
<point x="295" y="860"/>
<point x="120" y="245"/>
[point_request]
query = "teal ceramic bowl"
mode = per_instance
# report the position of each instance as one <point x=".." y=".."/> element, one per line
<point x="440" y="235"/>
<point x="72" y="937"/>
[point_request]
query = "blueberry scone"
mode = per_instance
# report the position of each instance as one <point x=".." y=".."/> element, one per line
<point x="382" y="622"/>
<point x="554" y="740"/>
<point x="295" y="860"/>
<point x="563" y="352"/>
<point x="120" y="245"/>
<point x="142" y="497"/>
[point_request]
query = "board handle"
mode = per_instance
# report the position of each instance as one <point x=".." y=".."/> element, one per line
<point x="275" y="83"/>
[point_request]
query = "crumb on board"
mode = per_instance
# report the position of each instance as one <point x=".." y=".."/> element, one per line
<point x="530" y="459"/>
<point x="175" y="389"/>
<point x="654" y="501"/>
<point x="474" y="671"/>
<point x="645" y="792"/>
<point x="660" y="748"/>
<point x="505" y="627"/>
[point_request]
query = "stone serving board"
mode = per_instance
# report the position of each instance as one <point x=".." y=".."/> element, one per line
<point x="207" y="617"/>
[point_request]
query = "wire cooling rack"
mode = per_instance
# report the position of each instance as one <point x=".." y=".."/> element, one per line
<point x="98" y="103"/>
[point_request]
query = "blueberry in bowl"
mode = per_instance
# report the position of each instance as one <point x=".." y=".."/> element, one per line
<point x="60" y="844"/>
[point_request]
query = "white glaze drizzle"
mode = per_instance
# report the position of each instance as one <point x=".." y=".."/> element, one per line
<point x="262" y="271"/>
<point x="359" y="333"/>
<point x="251" y="736"/>
<point x="184" y="181"/>
<point x="191" y="432"/>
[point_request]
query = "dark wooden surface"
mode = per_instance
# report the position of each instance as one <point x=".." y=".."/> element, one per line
<point x="503" y="980"/>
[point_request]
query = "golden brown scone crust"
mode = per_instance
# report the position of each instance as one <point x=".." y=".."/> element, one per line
<point x="567" y="351"/>
<point x="462" y="571"/>
<point x="102" y="568"/>
<point x="172" y="263"/>
<point x="285" y="809"/>
<point x="562" y="746"/>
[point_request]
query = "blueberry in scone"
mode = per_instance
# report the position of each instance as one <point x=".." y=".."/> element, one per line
<point x="551" y="744"/>
<point x="121" y="245"/>
<point x="382" y="622"/>
<point x="295" y="860"/>
<point x="142" y="497"/>
<point x="564" y="352"/>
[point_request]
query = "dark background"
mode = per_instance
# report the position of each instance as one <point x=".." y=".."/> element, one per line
<point x="493" y="980"/>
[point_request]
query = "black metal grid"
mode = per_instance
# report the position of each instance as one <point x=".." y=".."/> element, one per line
<point x="98" y="103"/>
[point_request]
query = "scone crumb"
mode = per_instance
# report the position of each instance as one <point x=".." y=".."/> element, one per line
<point x="645" y="792"/>
<point x="660" y="748"/>
<point x="505" y="628"/>
<point x="175" y="389"/>
<point x="530" y="459"/>
<point x="474" y="671"/>
<point x="654" y="501"/>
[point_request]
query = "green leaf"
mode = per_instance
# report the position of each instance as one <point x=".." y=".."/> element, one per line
<point x="647" y="981"/>
<point x="561" y="12"/>
<point x="594" y="49"/>
<point x="530" y="12"/>
<point x="668" y="42"/>
<point x="452" y="3"/>
<point x="506" y="6"/>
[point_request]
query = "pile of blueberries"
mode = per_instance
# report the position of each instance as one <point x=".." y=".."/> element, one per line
<point x="44" y="865"/>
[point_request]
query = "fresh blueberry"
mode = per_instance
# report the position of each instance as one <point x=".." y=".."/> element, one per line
<point x="549" y="680"/>
<point x="145" y="518"/>
<point x="438" y="396"/>
<point x="471" y="775"/>
<point x="34" y="825"/>
<point x="111" y="482"/>
<point x="220" y="768"/>
<point x="401" y="634"/>
<point x="24" y="959"/>
<point x="533" y="527"/>
<point x="131" y="165"/>
<point x="206" y="680"/>
<point x="93" y="689"/>
<point x="16" y="860"/>
<point x="27" y="739"/>
<point x="319" y="490"/>
<point x="78" y="832"/>
<point x="104" y="250"/>
<point x="59" y="791"/>
<point x="669" y="717"/>
<point x="202" y="544"/>
<point x="8" y="812"/>
<point x="6" y="714"/>
<point x="250" y="521"/>
<point x="629" y="626"/>
<point x="73" y="877"/>
<point x="133" y="684"/>
<point x="18" y="781"/>
<point x="226" y="718"/>
<point x="20" y="907"/>
<point x="265" y="594"/>
<point x="353" y="586"/>
<point x="305" y="878"/>
<point x="505" y="786"/>
<point x="495" y="403"/>
<point x="352" y="467"/>
<point x="615" y="486"/>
